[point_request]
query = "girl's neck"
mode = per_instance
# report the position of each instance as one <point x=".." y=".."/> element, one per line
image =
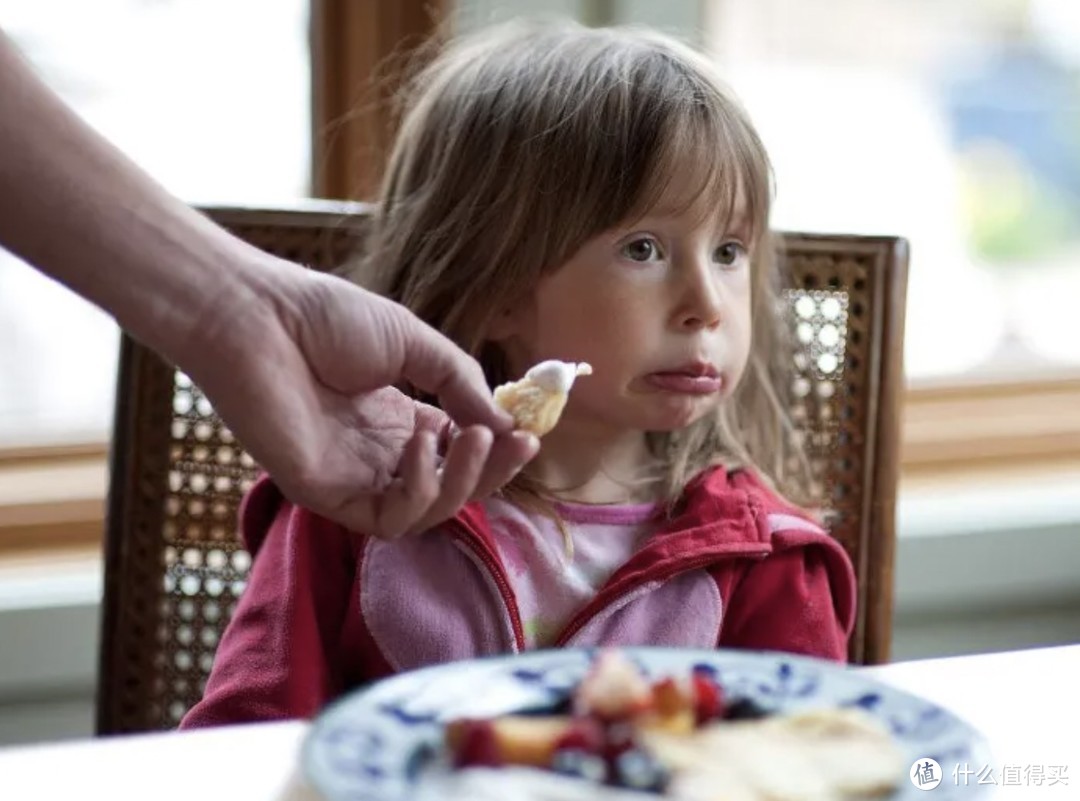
<point x="581" y="464"/>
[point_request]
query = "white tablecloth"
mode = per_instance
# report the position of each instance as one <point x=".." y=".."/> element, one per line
<point x="1027" y="703"/>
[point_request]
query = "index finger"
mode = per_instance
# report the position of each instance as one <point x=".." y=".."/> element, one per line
<point x="439" y="367"/>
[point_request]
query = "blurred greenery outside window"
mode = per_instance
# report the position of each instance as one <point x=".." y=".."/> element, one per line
<point x="955" y="123"/>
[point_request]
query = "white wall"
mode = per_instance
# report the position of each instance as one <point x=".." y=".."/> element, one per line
<point x="48" y="652"/>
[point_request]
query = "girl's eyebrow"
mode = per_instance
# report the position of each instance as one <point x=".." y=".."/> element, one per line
<point x="735" y="223"/>
<point x="738" y="226"/>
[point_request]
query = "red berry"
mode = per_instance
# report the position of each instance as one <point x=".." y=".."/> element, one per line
<point x="583" y="734"/>
<point x="476" y="744"/>
<point x="708" y="699"/>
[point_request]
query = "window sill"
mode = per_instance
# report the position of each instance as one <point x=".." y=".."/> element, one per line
<point x="990" y="426"/>
<point x="52" y="498"/>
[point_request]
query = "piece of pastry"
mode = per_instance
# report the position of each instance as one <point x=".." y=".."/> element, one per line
<point x="831" y="754"/>
<point x="538" y="399"/>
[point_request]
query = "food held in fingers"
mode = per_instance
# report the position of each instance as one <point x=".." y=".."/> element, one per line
<point x="537" y="400"/>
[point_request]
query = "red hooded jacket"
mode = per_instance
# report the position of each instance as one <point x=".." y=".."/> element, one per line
<point x="326" y="610"/>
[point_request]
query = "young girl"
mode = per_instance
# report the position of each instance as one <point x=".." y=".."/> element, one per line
<point x="592" y="196"/>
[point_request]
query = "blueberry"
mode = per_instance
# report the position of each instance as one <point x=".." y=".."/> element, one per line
<point x="745" y="709"/>
<point x="576" y="762"/>
<point x="638" y="770"/>
<point x="559" y="706"/>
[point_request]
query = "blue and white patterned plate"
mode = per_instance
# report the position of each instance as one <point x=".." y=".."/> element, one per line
<point x="383" y="743"/>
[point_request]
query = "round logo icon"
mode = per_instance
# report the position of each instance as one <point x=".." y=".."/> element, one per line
<point x="925" y="773"/>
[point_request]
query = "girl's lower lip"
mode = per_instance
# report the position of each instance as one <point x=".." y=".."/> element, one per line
<point x="687" y="384"/>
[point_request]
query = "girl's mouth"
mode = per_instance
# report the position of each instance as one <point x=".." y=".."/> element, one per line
<point x="686" y="383"/>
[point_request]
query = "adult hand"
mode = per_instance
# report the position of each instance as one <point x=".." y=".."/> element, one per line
<point x="297" y="364"/>
<point x="304" y="386"/>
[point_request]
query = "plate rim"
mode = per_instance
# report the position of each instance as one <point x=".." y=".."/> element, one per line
<point x="327" y="714"/>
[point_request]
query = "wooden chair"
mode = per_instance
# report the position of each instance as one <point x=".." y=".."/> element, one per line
<point x="174" y="568"/>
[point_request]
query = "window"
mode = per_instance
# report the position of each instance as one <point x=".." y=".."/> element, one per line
<point x="212" y="97"/>
<point x="955" y="123"/>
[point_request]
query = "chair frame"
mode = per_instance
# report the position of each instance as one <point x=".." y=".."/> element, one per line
<point x="140" y="456"/>
<point x="884" y="261"/>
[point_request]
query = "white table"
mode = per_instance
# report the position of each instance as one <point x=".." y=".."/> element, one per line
<point x="1025" y="702"/>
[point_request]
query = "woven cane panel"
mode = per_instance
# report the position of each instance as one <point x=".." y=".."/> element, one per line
<point x="205" y="567"/>
<point x="182" y="568"/>
<point x="829" y="307"/>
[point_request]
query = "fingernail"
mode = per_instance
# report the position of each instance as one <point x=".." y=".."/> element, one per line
<point x="527" y="438"/>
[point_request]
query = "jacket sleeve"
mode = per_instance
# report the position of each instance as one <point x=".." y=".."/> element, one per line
<point x="799" y="600"/>
<point x="278" y="656"/>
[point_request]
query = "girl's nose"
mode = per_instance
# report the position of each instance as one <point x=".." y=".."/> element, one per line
<point x="701" y="305"/>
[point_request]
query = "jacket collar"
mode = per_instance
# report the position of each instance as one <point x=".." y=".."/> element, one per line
<point x="722" y="515"/>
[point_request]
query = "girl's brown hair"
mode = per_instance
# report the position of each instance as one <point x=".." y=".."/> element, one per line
<point x="521" y="143"/>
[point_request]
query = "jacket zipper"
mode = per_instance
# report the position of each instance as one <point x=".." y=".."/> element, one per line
<point x="592" y="609"/>
<point x="463" y="536"/>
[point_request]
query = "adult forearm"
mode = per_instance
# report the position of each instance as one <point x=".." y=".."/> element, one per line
<point x="73" y="206"/>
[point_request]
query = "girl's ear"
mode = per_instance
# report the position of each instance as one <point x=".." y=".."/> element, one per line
<point x="510" y="321"/>
<point x="504" y="325"/>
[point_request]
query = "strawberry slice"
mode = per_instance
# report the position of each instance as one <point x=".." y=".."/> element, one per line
<point x="583" y="734"/>
<point x="473" y="742"/>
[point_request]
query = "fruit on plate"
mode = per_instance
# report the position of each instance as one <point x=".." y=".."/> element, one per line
<point x="601" y="738"/>
<point x="680" y="736"/>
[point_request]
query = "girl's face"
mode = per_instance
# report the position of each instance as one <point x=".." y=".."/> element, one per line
<point x="659" y="307"/>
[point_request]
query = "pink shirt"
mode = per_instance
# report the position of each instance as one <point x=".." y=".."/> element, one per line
<point x="549" y="584"/>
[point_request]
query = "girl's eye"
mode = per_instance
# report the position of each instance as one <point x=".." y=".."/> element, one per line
<point x="729" y="253"/>
<point x="643" y="250"/>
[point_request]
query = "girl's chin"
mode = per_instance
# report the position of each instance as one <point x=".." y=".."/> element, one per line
<point x="671" y="413"/>
<point x="677" y="417"/>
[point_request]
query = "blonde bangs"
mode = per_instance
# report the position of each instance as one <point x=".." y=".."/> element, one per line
<point x="721" y="165"/>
